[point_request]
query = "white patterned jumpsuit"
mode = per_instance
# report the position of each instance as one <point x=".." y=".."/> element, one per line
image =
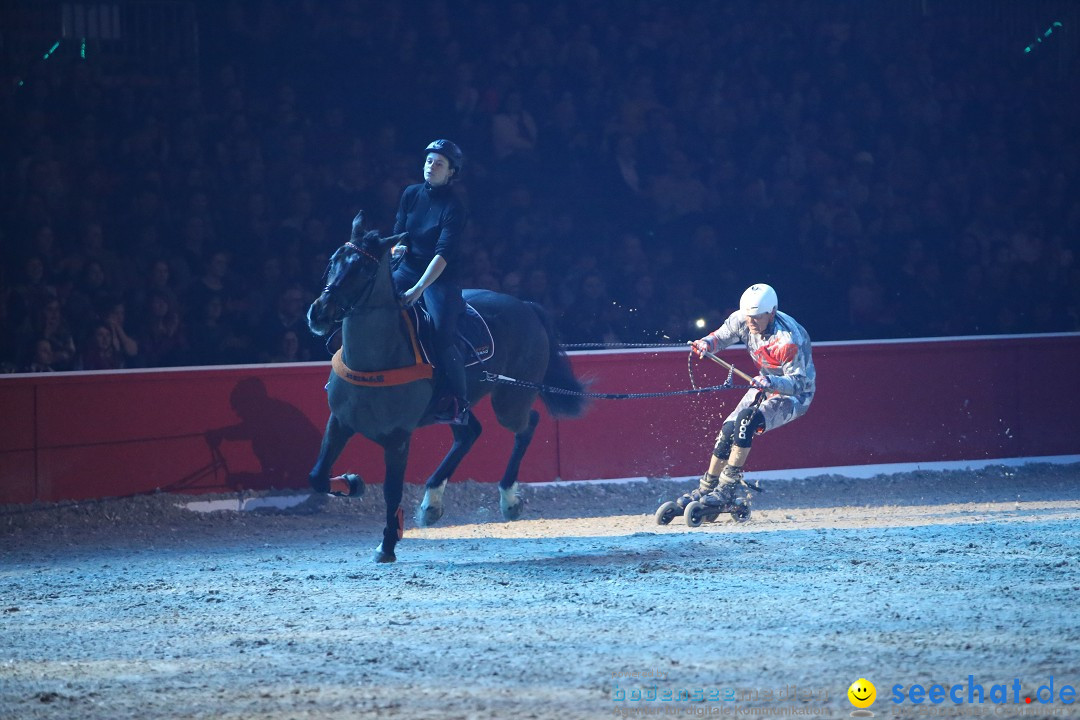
<point x="783" y="354"/>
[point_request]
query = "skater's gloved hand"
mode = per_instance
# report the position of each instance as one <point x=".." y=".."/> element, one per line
<point x="699" y="348"/>
<point x="762" y="382"/>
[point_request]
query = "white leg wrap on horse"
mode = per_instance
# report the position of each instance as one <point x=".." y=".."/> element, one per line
<point x="508" y="498"/>
<point x="433" y="496"/>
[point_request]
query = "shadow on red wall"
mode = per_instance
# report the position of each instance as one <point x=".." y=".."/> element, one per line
<point x="283" y="440"/>
<point x="73" y="436"/>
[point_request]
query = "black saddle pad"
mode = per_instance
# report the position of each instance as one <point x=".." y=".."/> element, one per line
<point x="474" y="336"/>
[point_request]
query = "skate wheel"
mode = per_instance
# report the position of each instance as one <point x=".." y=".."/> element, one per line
<point x="741" y="513"/>
<point x="666" y="513"/>
<point x="694" y="514"/>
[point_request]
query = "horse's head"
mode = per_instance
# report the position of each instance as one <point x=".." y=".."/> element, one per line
<point x="350" y="278"/>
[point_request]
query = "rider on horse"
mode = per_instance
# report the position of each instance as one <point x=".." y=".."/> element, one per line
<point x="434" y="216"/>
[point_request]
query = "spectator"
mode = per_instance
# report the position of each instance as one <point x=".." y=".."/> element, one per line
<point x="89" y="297"/>
<point x="537" y="288"/>
<point x="266" y="285"/>
<point x="157" y="281"/>
<point x="288" y="349"/>
<point x="289" y="313"/>
<point x="644" y="312"/>
<point x="115" y="316"/>
<point x="33" y="290"/>
<point x="214" y="339"/>
<point x="513" y="130"/>
<point x="101" y="350"/>
<point x="218" y="279"/>
<point x="41" y="357"/>
<point x="163" y="341"/>
<point x="591" y="317"/>
<point x="51" y="325"/>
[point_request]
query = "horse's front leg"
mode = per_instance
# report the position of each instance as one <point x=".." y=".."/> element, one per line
<point x="396" y="456"/>
<point x="509" y="501"/>
<point x="333" y="442"/>
<point x="431" y="509"/>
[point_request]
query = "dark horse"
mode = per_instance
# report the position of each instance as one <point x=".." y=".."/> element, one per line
<point x="376" y="341"/>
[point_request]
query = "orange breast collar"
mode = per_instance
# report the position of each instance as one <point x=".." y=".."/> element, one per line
<point x="385" y="378"/>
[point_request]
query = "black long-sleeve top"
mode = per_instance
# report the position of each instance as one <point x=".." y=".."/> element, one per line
<point x="435" y="220"/>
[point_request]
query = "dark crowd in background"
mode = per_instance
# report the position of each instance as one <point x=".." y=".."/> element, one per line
<point x="894" y="170"/>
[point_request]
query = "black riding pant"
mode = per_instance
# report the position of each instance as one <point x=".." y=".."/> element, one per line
<point x="445" y="306"/>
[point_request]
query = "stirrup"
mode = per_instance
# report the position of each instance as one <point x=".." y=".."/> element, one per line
<point x="455" y="412"/>
<point x="461" y="417"/>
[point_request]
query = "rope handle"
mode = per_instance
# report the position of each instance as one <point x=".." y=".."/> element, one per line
<point x="492" y="377"/>
<point x="497" y="378"/>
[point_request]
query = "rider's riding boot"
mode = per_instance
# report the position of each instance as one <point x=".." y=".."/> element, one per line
<point x="457" y="409"/>
<point x="705" y="485"/>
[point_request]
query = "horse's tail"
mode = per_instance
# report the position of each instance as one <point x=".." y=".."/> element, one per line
<point x="559" y="375"/>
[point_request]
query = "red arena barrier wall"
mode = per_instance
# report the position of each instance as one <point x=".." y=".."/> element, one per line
<point x="75" y="436"/>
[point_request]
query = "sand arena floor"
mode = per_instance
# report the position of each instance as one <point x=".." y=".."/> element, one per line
<point x="139" y="608"/>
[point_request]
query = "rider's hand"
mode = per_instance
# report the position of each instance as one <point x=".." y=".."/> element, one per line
<point x="410" y="296"/>
<point x="699" y="348"/>
<point x="398" y="250"/>
<point x="762" y="382"/>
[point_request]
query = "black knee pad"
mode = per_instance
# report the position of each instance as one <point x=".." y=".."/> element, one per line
<point x="723" y="441"/>
<point x="748" y="423"/>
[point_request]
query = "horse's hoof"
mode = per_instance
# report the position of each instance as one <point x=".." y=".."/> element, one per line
<point x="356" y="485"/>
<point x="382" y="556"/>
<point x="349" y="485"/>
<point x="513" y="512"/>
<point x="428" y="516"/>
<point x="510" y="503"/>
<point x="431" y="509"/>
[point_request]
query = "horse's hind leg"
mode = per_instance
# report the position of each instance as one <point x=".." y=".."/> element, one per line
<point x="509" y="502"/>
<point x="431" y="509"/>
<point x="396" y="456"/>
<point x="333" y="442"/>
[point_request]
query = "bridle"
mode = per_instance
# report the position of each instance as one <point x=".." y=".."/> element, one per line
<point x="362" y="251"/>
<point x="330" y="290"/>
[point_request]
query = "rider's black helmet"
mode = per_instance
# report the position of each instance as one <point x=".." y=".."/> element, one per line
<point x="450" y="151"/>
